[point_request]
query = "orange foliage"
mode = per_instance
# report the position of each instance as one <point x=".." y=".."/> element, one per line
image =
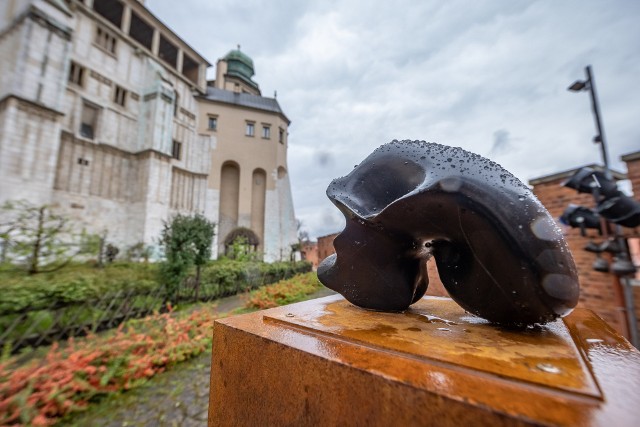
<point x="40" y="392"/>
<point x="283" y="292"/>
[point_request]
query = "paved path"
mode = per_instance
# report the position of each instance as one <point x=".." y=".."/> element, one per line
<point x="179" y="397"/>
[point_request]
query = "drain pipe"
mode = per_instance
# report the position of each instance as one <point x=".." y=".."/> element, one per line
<point x="632" y="321"/>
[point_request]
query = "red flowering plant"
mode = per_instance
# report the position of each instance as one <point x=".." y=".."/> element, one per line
<point x="80" y="371"/>
<point x="72" y="375"/>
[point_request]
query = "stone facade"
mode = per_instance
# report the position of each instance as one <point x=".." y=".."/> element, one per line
<point x="249" y="182"/>
<point x="100" y="117"/>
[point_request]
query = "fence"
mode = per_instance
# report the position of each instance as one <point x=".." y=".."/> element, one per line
<point x="30" y="327"/>
<point x="33" y="328"/>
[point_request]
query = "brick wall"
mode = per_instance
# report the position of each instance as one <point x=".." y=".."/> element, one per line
<point x="633" y="171"/>
<point x="309" y="252"/>
<point x="325" y="246"/>
<point x="598" y="291"/>
<point x="633" y="174"/>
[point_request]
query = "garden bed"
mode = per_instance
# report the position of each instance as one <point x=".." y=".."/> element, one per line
<point x="71" y="377"/>
<point x="38" y="310"/>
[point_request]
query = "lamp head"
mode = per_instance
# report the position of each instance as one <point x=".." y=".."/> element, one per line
<point x="623" y="267"/>
<point x="585" y="179"/>
<point x="601" y="265"/>
<point x="579" y="216"/>
<point x="578" y="86"/>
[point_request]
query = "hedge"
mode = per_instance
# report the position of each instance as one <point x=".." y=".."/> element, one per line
<point x="74" y="285"/>
<point x="230" y="277"/>
<point x="72" y="376"/>
<point x="78" y="285"/>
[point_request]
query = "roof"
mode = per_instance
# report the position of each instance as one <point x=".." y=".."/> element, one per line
<point x="140" y="7"/>
<point x="568" y="173"/>
<point x="329" y="235"/>
<point x="241" y="66"/>
<point x="631" y="156"/>
<point x="239" y="56"/>
<point x="244" y="100"/>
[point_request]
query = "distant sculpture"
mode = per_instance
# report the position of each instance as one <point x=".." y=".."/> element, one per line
<point x="498" y="252"/>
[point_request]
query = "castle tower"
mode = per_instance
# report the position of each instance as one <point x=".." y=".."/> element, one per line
<point x="248" y="184"/>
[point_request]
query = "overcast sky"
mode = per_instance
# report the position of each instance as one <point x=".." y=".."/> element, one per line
<point x="487" y="76"/>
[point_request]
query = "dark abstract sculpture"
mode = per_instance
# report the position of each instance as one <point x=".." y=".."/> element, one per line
<point x="498" y="252"/>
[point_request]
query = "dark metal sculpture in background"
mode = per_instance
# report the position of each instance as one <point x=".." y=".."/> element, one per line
<point x="498" y="252"/>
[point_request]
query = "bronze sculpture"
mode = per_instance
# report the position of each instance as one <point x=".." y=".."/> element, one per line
<point x="498" y="252"/>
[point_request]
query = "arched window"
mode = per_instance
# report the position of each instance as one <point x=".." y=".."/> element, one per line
<point x="258" y="200"/>
<point x="240" y="242"/>
<point x="229" y="198"/>
<point x="282" y="172"/>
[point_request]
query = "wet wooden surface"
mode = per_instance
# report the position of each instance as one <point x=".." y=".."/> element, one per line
<point x="326" y="362"/>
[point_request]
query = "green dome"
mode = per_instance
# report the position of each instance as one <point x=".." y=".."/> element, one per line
<point x="237" y="55"/>
<point x="239" y="64"/>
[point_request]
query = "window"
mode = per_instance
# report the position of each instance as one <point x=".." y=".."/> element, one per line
<point x="190" y="68"/>
<point x="266" y="131"/>
<point x="89" y="121"/>
<point x="140" y="31"/>
<point x="76" y="74"/>
<point x="111" y="10"/>
<point x="168" y="52"/>
<point x="120" y="95"/>
<point x="250" y="131"/>
<point x="213" y="123"/>
<point x="176" y="150"/>
<point x="106" y="40"/>
<point x="176" y="104"/>
<point x="281" y="135"/>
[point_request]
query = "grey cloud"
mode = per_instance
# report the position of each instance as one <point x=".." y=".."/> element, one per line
<point x="354" y="75"/>
<point x="501" y="142"/>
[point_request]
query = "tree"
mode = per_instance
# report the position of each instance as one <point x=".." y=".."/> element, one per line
<point x="187" y="242"/>
<point x="8" y="226"/>
<point x="138" y="251"/>
<point x="303" y="237"/>
<point x="111" y="252"/>
<point x="39" y="238"/>
<point x="240" y="249"/>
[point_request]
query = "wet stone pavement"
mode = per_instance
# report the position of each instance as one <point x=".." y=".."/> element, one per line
<point x="179" y="397"/>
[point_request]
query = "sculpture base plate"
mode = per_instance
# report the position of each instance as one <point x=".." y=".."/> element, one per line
<point x="327" y="362"/>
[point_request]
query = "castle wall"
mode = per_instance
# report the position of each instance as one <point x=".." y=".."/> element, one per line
<point x="97" y="126"/>
<point x="106" y="128"/>
<point x="33" y="52"/>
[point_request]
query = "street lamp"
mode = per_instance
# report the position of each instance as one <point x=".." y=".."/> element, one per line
<point x="590" y="85"/>
<point x="613" y="206"/>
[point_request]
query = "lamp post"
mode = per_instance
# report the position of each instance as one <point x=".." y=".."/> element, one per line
<point x="622" y="288"/>
<point x="590" y="85"/>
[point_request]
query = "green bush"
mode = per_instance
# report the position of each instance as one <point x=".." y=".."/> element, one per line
<point x="227" y="277"/>
<point x="79" y="284"/>
<point x="76" y="284"/>
<point x="81" y="298"/>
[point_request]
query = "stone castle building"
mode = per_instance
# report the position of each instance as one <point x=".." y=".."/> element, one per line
<point x="106" y="114"/>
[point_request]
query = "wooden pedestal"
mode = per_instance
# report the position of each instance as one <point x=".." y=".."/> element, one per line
<point x="325" y="362"/>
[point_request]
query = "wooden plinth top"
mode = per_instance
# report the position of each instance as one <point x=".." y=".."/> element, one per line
<point x="574" y="371"/>
<point x="438" y="330"/>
